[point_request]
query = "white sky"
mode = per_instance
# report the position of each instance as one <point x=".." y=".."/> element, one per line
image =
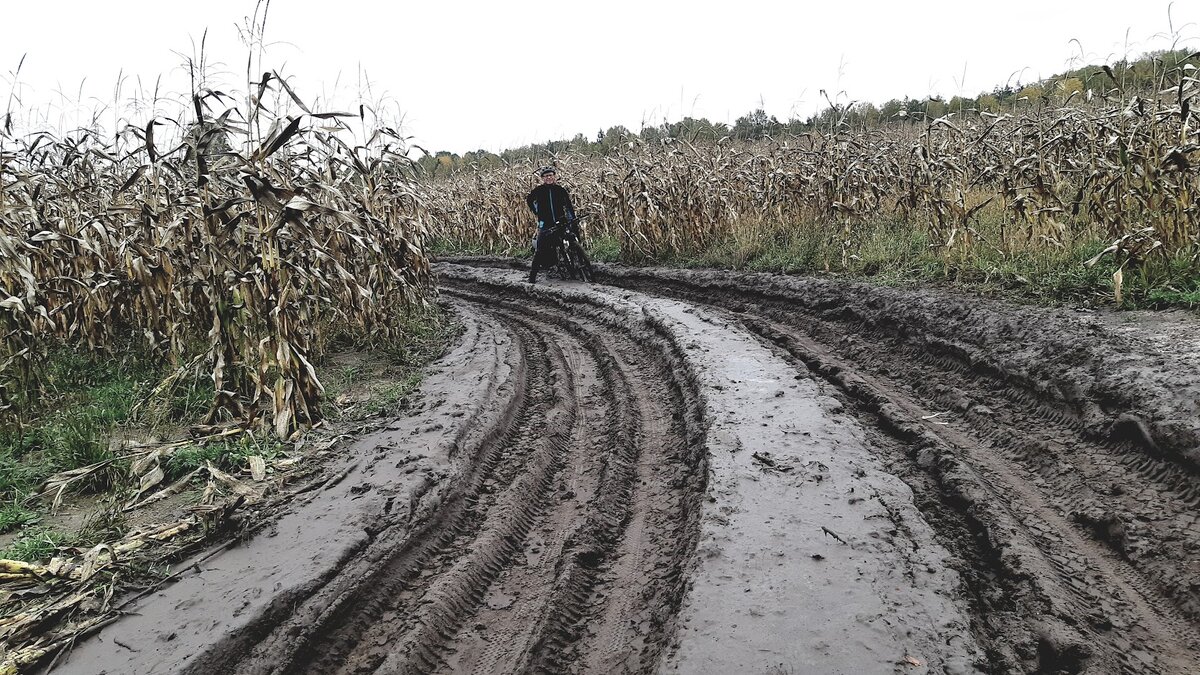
<point x="469" y="74"/>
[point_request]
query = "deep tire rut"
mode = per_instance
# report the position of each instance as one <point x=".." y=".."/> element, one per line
<point x="628" y="523"/>
<point x="519" y="566"/>
<point x="504" y="512"/>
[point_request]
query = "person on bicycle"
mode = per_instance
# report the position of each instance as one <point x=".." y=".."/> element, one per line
<point x="550" y="203"/>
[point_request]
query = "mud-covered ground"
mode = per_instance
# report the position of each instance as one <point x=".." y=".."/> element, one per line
<point x="715" y="472"/>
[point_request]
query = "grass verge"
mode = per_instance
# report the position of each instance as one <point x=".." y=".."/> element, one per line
<point x="895" y="253"/>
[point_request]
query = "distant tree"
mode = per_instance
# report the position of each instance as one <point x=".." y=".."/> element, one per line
<point x="864" y="115"/>
<point x="888" y="111"/>
<point x="580" y="143"/>
<point x="1145" y="76"/>
<point x="1067" y="87"/>
<point x="960" y="104"/>
<point x="1005" y="95"/>
<point x="652" y="134"/>
<point x="756" y="125"/>
<point x="614" y="136"/>
<point x="479" y="159"/>
<point x="1032" y="93"/>
<point x="692" y="129"/>
<point x="797" y="126"/>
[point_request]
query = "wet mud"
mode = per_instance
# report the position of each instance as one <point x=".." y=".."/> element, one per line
<point x="716" y="472"/>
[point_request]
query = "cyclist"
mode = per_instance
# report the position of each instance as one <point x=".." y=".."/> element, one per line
<point x="550" y="203"/>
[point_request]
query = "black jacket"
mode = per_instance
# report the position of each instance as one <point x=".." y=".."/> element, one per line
<point x="550" y="203"/>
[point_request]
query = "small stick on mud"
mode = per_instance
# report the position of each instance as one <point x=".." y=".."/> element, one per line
<point x="122" y="644"/>
<point x="339" y="477"/>
<point x="325" y="484"/>
<point x="833" y="534"/>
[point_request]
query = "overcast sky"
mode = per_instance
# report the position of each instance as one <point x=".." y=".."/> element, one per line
<point x="468" y="75"/>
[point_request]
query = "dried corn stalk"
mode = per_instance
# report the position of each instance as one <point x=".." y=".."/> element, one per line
<point x="246" y="260"/>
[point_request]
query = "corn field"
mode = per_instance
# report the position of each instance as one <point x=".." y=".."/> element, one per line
<point x="1116" y="168"/>
<point x="238" y="243"/>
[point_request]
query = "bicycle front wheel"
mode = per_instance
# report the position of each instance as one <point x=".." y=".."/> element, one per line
<point x="580" y="262"/>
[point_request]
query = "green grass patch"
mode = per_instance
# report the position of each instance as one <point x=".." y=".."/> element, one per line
<point x="426" y="335"/>
<point x="17" y="478"/>
<point x="340" y="379"/>
<point x="15" y="515"/>
<point x="1165" y="283"/>
<point x="106" y="524"/>
<point x="36" y="544"/>
<point x="896" y="253"/>
<point x="87" y="397"/>
<point x="69" y="424"/>
<point x="604" y="249"/>
<point x="228" y="455"/>
<point x="390" y="371"/>
<point x="1161" y="298"/>
<point x="387" y="398"/>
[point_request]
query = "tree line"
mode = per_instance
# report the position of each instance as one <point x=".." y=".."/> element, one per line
<point x="1141" y="76"/>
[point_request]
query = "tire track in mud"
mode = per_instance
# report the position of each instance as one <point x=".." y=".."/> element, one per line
<point x="513" y="602"/>
<point x="1052" y="570"/>
<point x="408" y="635"/>
<point x="623" y="559"/>
<point x="325" y="628"/>
<point x="1049" y="505"/>
<point x="576" y="501"/>
<point x="785" y="586"/>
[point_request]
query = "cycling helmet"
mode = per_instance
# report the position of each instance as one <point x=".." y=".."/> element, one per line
<point x="546" y="170"/>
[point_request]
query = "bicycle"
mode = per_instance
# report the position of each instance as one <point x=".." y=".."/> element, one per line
<point x="570" y="259"/>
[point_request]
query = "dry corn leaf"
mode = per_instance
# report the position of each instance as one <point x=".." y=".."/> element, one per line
<point x="171" y="489"/>
<point x="234" y="485"/>
<point x="258" y="468"/>
<point x="13" y="662"/>
<point x="17" y="568"/>
<point x="149" y="480"/>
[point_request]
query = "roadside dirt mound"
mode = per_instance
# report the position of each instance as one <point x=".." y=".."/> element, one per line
<point x="687" y="471"/>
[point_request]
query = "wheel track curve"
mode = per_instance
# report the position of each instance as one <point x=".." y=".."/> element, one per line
<point x="415" y="608"/>
<point x="1137" y="613"/>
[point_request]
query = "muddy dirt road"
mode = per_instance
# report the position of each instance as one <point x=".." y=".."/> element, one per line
<point x="705" y="472"/>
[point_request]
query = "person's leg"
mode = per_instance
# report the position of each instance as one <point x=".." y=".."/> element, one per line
<point x="537" y="255"/>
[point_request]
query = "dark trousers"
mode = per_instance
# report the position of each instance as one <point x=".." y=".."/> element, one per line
<point x="543" y="251"/>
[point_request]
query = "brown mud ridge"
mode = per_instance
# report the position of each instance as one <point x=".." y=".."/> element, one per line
<point x="681" y="471"/>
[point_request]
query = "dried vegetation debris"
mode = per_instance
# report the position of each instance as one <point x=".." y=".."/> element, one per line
<point x="46" y="607"/>
<point x="169" y="515"/>
<point x="173" y="499"/>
